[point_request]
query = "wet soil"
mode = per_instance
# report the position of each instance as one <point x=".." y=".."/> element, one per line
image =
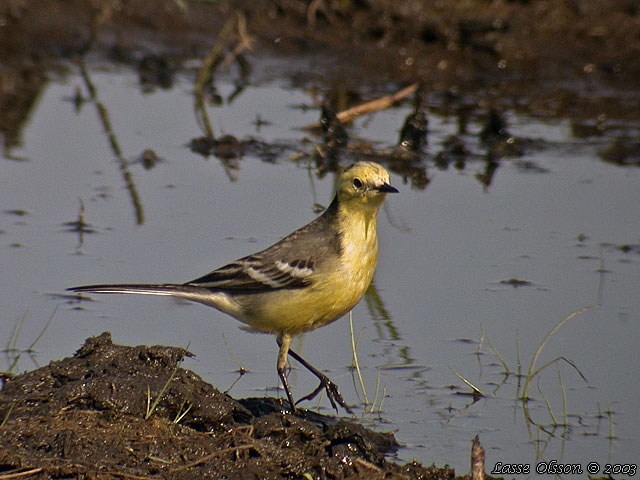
<point x="563" y="58"/>
<point x="113" y="411"/>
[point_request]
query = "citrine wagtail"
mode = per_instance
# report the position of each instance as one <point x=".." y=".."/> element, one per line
<point x="308" y="279"/>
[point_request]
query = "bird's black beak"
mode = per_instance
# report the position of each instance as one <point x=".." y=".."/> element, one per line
<point x="386" y="188"/>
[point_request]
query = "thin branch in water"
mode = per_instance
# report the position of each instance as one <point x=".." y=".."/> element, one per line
<point x="205" y="72"/>
<point x="370" y="107"/>
<point x="246" y="41"/>
<point x="476" y="390"/>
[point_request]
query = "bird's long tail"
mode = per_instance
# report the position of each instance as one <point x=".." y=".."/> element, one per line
<point x="189" y="292"/>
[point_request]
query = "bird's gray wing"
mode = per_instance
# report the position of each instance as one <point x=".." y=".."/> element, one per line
<point x="289" y="263"/>
<point x="258" y="273"/>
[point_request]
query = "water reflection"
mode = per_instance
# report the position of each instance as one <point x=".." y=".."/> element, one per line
<point x="79" y="226"/>
<point x="455" y="146"/>
<point x="123" y="163"/>
<point x="387" y="331"/>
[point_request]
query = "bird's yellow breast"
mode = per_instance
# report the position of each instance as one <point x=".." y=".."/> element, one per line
<point x="335" y="288"/>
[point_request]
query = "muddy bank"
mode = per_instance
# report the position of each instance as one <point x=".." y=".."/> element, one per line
<point x="573" y="58"/>
<point x="113" y="411"/>
<point x="413" y="38"/>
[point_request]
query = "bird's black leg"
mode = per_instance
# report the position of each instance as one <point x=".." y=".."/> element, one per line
<point x="332" y="389"/>
<point x="284" y="341"/>
<point x="283" y="378"/>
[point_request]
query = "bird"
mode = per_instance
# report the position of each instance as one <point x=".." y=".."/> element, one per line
<point x="306" y="280"/>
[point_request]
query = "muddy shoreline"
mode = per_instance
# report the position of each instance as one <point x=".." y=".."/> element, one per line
<point x="576" y="59"/>
<point x="470" y="41"/>
<point x="113" y="411"/>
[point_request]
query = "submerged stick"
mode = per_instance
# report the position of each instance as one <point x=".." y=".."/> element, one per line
<point x="205" y="73"/>
<point x="369" y="107"/>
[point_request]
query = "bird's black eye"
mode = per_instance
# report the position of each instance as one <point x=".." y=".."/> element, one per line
<point x="357" y="183"/>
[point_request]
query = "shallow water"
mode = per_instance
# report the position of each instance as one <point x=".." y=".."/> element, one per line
<point x="557" y="217"/>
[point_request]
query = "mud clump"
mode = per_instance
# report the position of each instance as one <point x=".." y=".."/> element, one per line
<point x="95" y="415"/>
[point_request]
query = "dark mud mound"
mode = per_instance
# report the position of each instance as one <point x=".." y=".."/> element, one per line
<point x="112" y="411"/>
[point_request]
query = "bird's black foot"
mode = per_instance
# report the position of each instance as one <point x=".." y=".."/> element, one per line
<point x="325" y="384"/>
<point x="332" y="393"/>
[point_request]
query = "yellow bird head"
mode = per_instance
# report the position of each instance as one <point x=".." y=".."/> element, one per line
<point x="366" y="183"/>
